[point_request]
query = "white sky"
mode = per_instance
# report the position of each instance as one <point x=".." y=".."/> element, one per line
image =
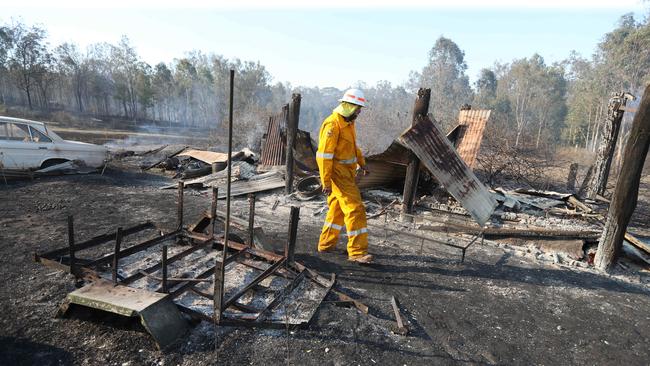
<point x="333" y="43"/>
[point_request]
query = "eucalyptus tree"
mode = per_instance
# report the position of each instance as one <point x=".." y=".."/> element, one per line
<point x="445" y="74"/>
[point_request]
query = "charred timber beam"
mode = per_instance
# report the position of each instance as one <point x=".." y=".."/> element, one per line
<point x="401" y="328"/>
<point x="508" y="232"/>
<point x="610" y="130"/>
<point x="413" y="170"/>
<point x="293" y="120"/>
<point x="571" y="178"/>
<point x="626" y="192"/>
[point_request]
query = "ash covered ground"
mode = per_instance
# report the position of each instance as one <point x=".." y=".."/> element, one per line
<point x="498" y="307"/>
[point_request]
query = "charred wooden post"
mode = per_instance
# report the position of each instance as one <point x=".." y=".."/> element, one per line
<point x="220" y="266"/>
<point x="585" y="181"/>
<point x="116" y="254"/>
<point x="164" y="269"/>
<point x="290" y="248"/>
<point x="71" y="243"/>
<point x="413" y="170"/>
<point x="251" y="219"/>
<point x="181" y="187"/>
<point x="293" y="120"/>
<point x="571" y="178"/>
<point x="610" y="129"/>
<point x="627" y="187"/>
<point x="213" y="211"/>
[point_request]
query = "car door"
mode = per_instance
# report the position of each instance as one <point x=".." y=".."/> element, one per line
<point x="17" y="150"/>
<point x="46" y="147"/>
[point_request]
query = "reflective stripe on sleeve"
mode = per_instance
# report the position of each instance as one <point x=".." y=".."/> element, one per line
<point x="333" y="226"/>
<point x="325" y="155"/>
<point x="358" y="232"/>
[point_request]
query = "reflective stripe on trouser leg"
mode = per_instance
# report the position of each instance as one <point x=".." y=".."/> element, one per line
<point x="333" y="224"/>
<point x="354" y="212"/>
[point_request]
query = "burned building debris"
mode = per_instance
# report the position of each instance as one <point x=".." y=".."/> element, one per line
<point x="204" y="271"/>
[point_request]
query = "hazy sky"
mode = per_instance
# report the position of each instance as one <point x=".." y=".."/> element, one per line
<point x="327" y="43"/>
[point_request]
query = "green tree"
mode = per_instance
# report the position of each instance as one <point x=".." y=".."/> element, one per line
<point x="27" y="57"/>
<point x="445" y="75"/>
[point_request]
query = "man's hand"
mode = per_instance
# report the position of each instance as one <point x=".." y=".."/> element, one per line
<point x="327" y="190"/>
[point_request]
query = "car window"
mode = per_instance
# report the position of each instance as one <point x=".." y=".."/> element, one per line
<point x="15" y="132"/>
<point x="38" y="136"/>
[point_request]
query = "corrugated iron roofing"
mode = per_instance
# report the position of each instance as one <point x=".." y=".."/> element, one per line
<point x="436" y="153"/>
<point x="468" y="142"/>
<point x="273" y="151"/>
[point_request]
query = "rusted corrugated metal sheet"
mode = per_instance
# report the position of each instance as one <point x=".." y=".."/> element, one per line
<point x="275" y="141"/>
<point x="386" y="167"/>
<point x="304" y="152"/>
<point x="382" y="174"/>
<point x="436" y="153"/>
<point x="468" y="141"/>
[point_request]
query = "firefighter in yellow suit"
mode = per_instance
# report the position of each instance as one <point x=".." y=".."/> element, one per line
<point x="338" y="158"/>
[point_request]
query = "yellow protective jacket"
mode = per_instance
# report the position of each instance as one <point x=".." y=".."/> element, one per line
<point x="338" y="154"/>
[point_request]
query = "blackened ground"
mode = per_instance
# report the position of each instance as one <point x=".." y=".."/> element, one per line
<point x="495" y="308"/>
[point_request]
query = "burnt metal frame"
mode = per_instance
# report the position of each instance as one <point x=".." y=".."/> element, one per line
<point x="295" y="272"/>
<point x="281" y="265"/>
<point x="463" y="248"/>
<point x="285" y="263"/>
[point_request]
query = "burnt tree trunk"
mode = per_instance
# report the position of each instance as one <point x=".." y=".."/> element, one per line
<point x="421" y="108"/>
<point x="292" y="129"/>
<point x="571" y="179"/>
<point x="607" y="145"/>
<point x="627" y="187"/>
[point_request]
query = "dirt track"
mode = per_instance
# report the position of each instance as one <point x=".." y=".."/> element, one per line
<point x="493" y="309"/>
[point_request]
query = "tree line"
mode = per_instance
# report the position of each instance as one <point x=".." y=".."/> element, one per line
<point x="534" y="103"/>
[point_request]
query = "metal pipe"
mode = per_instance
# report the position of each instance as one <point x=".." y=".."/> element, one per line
<point x="290" y="248"/>
<point x="180" y="204"/>
<point x="220" y="274"/>
<point x="213" y="210"/>
<point x="116" y="254"/>
<point x="251" y="219"/>
<point x="164" y="269"/>
<point x="71" y="242"/>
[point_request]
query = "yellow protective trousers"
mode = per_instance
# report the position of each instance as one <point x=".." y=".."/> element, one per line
<point x="338" y="157"/>
<point x="345" y="207"/>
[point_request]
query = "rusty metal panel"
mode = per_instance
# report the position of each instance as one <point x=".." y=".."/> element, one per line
<point x="436" y="153"/>
<point x="304" y="152"/>
<point x="386" y="167"/>
<point x="382" y="174"/>
<point x="468" y="142"/>
<point x="274" y="150"/>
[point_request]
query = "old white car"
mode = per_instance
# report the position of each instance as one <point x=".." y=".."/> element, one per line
<point x="30" y="145"/>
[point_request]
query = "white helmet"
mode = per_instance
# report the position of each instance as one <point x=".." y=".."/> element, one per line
<point x="354" y="96"/>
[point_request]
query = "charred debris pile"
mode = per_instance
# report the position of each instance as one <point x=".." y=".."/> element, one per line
<point x="211" y="275"/>
<point x="563" y="227"/>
